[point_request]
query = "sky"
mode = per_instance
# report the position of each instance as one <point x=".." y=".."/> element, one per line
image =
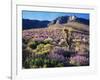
<point x="40" y="15"/>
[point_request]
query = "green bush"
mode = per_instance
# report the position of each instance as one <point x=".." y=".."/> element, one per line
<point x="41" y="63"/>
<point x="27" y="63"/>
<point x="43" y="48"/>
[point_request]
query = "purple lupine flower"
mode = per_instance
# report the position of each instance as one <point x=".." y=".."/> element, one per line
<point x="55" y="56"/>
<point x="79" y="60"/>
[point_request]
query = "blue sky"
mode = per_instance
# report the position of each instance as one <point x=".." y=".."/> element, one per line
<point x="40" y="15"/>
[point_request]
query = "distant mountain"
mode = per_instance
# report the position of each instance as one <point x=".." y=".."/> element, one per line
<point x="28" y="24"/>
<point x="70" y="22"/>
<point x="60" y="20"/>
<point x="83" y="21"/>
<point x="66" y="19"/>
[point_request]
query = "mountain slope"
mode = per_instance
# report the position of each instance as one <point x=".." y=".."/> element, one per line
<point x="70" y="22"/>
<point x="28" y="24"/>
<point x="65" y="19"/>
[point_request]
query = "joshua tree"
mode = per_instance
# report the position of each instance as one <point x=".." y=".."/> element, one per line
<point x="68" y="37"/>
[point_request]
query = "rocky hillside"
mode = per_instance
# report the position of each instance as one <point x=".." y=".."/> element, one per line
<point x="66" y="19"/>
<point x="72" y="22"/>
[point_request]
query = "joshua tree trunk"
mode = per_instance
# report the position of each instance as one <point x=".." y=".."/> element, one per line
<point x="68" y="37"/>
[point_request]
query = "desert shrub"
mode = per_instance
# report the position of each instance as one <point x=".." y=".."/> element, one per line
<point x="40" y="46"/>
<point x="34" y="63"/>
<point x="53" y="63"/>
<point x="60" y="65"/>
<point x="24" y="46"/>
<point x="25" y="41"/>
<point x="48" y="47"/>
<point x="33" y="44"/>
<point x="38" y="62"/>
<point x="26" y="54"/>
<point x="42" y="62"/>
<point x="43" y="49"/>
<point x="48" y="40"/>
<point x="27" y="63"/>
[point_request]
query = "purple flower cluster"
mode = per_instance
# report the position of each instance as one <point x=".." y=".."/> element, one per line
<point x="79" y="60"/>
<point x="58" y="50"/>
<point x="55" y="34"/>
<point x="57" y="54"/>
<point x="56" y="57"/>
